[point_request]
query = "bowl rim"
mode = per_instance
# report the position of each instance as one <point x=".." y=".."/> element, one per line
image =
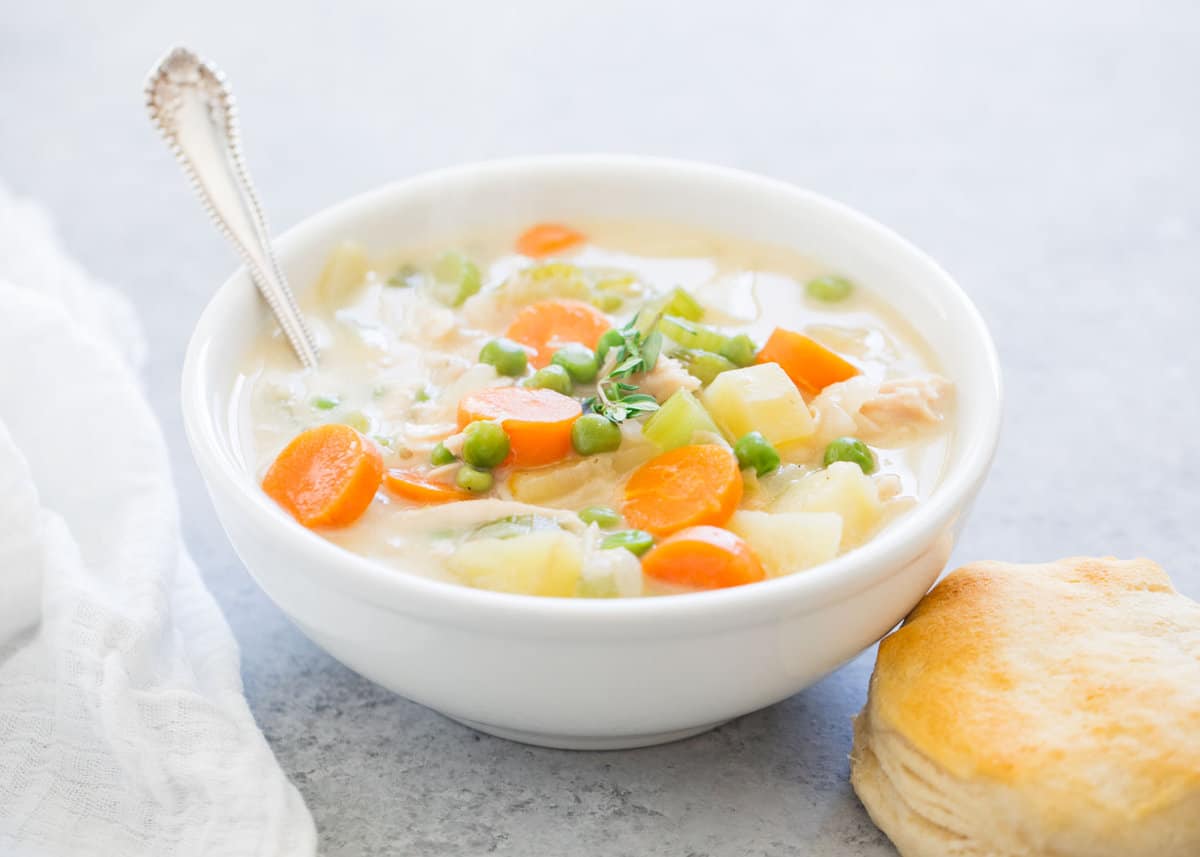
<point x="406" y="592"/>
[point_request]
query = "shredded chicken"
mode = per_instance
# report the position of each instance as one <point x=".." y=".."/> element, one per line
<point x="904" y="405"/>
<point x="835" y="410"/>
<point x="667" y="376"/>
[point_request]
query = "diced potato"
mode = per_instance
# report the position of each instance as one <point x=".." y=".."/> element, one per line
<point x="545" y="562"/>
<point x="759" y="398"/>
<point x="787" y="542"/>
<point x="678" y="421"/>
<point x="572" y="485"/>
<point x="841" y="487"/>
<point x="345" y="271"/>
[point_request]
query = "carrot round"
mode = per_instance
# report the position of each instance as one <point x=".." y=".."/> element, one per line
<point x="537" y="421"/>
<point x="421" y="488"/>
<point x="703" y="557"/>
<point x="811" y="366"/>
<point x="547" y="326"/>
<point x="686" y="487"/>
<point x="546" y="239"/>
<point x="326" y="477"/>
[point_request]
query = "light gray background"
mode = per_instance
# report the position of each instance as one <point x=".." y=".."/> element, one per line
<point x="1046" y="153"/>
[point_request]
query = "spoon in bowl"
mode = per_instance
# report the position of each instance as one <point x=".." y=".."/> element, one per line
<point x="193" y="107"/>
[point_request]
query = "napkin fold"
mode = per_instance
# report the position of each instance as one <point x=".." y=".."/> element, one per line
<point x="123" y="728"/>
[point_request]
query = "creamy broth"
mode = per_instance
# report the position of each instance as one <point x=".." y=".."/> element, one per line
<point x="395" y="360"/>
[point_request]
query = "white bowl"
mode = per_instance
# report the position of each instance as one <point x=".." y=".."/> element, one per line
<point x="583" y="673"/>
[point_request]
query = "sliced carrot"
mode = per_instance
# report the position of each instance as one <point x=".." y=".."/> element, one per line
<point x="537" y="421"/>
<point x="546" y="239"/>
<point x="703" y="557"/>
<point x="422" y="488"/>
<point x="686" y="487"/>
<point x="326" y="477"/>
<point x="811" y="366"/>
<point x="547" y="326"/>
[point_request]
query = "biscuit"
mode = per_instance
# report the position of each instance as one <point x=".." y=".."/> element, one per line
<point x="1038" y="710"/>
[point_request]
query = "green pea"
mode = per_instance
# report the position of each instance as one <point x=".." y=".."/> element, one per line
<point x="470" y="479"/>
<point x="705" y="365"/>
<point x="754" y="450"/>
<point x="441" y="455"/>
<point x="601" y="516"/>
<point x="579" y="361"/>
<point x="325" y="403"/>
<point x="552" y="377"/>
<point x="593" y="433"/>
<point x="850" y="449"/>
<point x="507" y="356"/>
<point x="739" y="349"/>
<point x="829" y="289"/>
<point x="610" y="339"/>
<point x="485" y="444"/>
<point x="637" y="542"/>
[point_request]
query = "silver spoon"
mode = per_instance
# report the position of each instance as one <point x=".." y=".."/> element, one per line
<point x="193" y="107"/>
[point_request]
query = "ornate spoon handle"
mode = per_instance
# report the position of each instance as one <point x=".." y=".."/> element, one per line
<point x="193" y="107"/>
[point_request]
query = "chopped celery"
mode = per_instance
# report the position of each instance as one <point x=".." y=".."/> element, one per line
<point x="704" y="364"/>
<point x="681" y="303"/>
<point x="740" y="350"/>
<point x="677" y="421"/>
<point x="457" y="278"/>
<point x="325" y="403"/>
<point x="692" y="335"/>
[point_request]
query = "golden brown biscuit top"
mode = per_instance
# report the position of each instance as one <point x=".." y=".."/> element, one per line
<point x="1078" y="682"/>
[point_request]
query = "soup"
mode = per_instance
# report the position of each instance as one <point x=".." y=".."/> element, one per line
<point x="597" y="410"/>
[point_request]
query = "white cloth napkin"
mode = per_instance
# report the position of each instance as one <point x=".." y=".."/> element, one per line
<point x="123" y="729"/>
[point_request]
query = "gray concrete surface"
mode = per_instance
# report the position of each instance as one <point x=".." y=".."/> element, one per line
<point x="1046" y="153"/>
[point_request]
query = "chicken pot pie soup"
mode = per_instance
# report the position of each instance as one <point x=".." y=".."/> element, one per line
<point x="597" y="410"/>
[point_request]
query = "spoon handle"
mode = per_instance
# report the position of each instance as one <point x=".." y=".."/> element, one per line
<point x="193" y="107"/>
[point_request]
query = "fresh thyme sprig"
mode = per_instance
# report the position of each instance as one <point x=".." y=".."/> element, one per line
<point x="636" y="354"/>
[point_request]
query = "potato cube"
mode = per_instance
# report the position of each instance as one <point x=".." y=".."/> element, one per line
<point x="759" y="398"/>
<point x="544" y="562"/>
<point x="788" y="542"/>
<point x="843" y="488"/>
